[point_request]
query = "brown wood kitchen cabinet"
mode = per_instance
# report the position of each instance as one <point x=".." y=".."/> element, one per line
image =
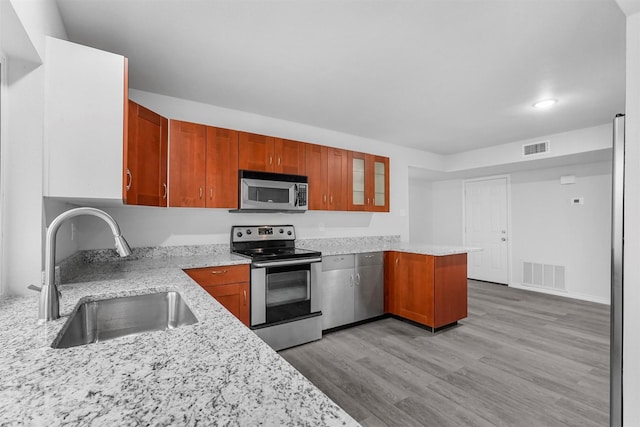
<point x="368" y="182"/>
<point x="203" y="166"/>
<point x="228" y="284"/>
<point x="430" y="290"/>
<point x="269" y="154"/>
<point x="146" y="157"/>
<point x="327" y="169"/>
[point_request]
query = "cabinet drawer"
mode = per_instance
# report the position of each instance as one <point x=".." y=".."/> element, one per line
<point x="337" y="262"/>
<point x="372" y="258"/>
<point x="219" y="275"/>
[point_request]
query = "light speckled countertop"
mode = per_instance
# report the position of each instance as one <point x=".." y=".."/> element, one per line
<point x="331" y="249"/>
<point x="214" y="372"/>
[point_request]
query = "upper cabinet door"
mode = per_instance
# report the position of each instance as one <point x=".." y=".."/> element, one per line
<point x="290" y="157"/>
<point x="358" y="181"/>
<point x="368" y="187"/>
<point x="146" y="168"/>
<point x="222" y="168"/>
<point x="337" y="179"/>
<point x="256" y="152"/>
<point x="187" y="164"/>
<point x="316" y="170"/>
<point x="85" y="122"/>
<point x="378" y="193"/>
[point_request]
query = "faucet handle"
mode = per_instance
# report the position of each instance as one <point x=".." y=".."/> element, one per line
<point x="38" y="289"/>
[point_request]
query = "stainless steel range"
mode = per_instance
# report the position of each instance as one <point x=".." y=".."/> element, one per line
<point x="285" y="284"/>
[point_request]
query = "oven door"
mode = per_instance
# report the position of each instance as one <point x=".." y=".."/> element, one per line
<point x="282" y="293"/>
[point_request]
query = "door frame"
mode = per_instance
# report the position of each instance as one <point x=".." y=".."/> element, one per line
<point x="4" y="121"/>
<point x="507" y="177"/>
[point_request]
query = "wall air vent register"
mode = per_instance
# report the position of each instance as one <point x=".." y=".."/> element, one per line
<point x="536" y="148"/>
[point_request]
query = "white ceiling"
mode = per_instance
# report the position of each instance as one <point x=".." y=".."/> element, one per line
<point x="441" y="75"/>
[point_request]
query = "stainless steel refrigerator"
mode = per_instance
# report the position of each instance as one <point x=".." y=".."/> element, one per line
<point x="617" y="265"/>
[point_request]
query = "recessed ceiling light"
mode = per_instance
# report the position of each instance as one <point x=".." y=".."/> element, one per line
<point x="544" y="103"/>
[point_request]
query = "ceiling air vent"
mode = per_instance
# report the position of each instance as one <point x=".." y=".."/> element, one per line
<point x="535" y="148"/>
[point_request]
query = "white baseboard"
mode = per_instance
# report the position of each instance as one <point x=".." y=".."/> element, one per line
<point x="583" y="297"/>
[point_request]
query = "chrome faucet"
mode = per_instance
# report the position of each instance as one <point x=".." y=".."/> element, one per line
<point x="49" y="297"/>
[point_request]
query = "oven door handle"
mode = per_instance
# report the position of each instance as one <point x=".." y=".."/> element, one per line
<point x="286" y="262"/>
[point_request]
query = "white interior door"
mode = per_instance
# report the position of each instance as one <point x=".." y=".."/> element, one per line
<point x="486" y="212"/>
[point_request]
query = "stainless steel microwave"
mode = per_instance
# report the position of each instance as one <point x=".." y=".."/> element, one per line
<point x="265" y="192"/>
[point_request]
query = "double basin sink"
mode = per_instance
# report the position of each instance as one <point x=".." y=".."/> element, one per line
<point x="102" y="320"/>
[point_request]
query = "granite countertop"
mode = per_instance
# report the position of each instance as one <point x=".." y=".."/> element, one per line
<point x="214" y="372"/>
<point x="416" y="248"/>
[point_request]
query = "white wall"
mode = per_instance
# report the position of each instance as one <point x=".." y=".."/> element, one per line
<point x="22" y="150"/>
<point x="545" y="228"/>
<point x="447" y="212"/>
<point x="570" y="143"/>
<point x="548" y="229"/>
<point x="420" y="211"/>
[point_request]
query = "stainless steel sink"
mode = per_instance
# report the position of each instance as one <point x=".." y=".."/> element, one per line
<point x="103" y="320"/>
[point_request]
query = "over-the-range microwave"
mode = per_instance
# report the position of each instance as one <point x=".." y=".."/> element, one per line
<point x="272" y="192"/>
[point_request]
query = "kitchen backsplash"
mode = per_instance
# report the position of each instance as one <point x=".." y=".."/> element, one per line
<point x="70" y="265"/>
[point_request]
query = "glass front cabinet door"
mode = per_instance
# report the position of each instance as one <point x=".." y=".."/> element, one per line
<point x="368" y="182"/>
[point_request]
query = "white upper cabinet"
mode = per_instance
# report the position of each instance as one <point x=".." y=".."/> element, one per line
<point x="85" y="112"/>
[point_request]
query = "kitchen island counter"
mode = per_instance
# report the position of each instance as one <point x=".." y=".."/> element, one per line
<point x="214" y="372"/>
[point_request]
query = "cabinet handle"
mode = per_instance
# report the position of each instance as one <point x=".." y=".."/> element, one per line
<point x="358" y="279"/>
<point x="270" y="160"/>
<point x="368" y="256"/>
<point x="331" y="199"/>
<point x="324" y="198"/>
<point x="244" y="292"/>
<point x="164" y="186"/>
<point x="368" y="201"/>
<point x="219" y="271"/>
<point x="397" y="261"/>
<point x="351" y="280"/>
<point x="279" y="161"/>
<point x="201" y="192"/>
<point x="211" y="193"/>
<point x="130" y="179"/>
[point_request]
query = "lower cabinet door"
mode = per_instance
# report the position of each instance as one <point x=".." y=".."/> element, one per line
<point x="234" y="297"/>
<point x="369" y="292"/>
<point x="337" y="298"/>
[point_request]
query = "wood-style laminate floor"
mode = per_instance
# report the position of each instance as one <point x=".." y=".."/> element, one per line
<point x="520" y="359"/>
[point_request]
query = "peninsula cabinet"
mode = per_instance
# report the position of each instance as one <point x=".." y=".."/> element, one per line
<point x="269" y="154"/>
<point x="85" y="127"/>
<point x="430" y="290"/>
<point x="229" y="285"/>
<point x="146" y="158"/>
<point x="368" y="182"/>
<point x="327" y="173"/>
<point x="203" y="169"/>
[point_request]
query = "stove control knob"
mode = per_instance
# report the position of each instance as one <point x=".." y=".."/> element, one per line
<point x="289" y="233"/>
<point x="239" y="234"/>
<point x="248" y="231"/>
<point x="281" y="231"/>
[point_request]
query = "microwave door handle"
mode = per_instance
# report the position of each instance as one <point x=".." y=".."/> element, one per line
<point x="295" y="190"/>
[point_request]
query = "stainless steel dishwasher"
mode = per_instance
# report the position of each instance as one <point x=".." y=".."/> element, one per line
<point x="338" y="280"/>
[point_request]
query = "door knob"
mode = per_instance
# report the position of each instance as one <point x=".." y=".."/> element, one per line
<point x="504" y="239"/>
